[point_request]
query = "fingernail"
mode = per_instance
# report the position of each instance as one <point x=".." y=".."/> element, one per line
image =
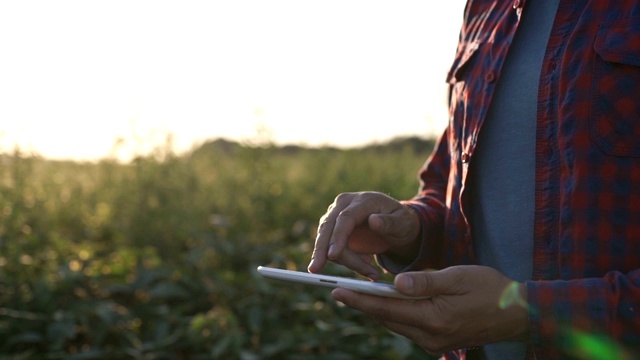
<point x="337" y="296"/>
<point x="310" y="264"/>
<point x="405" y="281"/>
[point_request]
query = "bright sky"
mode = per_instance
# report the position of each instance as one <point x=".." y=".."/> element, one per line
<point x="77" y="75"/>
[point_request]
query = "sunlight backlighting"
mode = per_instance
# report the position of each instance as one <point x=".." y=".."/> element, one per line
<point x="78" y="75"/>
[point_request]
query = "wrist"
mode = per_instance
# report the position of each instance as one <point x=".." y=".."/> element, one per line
<point x="523" y="305"/>
<point x="514" y="304"/>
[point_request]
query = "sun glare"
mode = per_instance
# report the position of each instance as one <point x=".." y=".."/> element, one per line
<point x="77" y="75"/>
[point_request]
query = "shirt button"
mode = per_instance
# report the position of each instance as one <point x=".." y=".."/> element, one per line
<point x="516" y="4"/>
<point x="490" y="77"/>
<point x="464" y="157"/>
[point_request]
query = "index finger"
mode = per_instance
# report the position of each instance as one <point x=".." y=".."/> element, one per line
<point x="338" y="217"/>
<point x="356" y="262"/>
<point x="344" y="224"/>
<point x="319" y="255"/>
<point x="348" y="211"/>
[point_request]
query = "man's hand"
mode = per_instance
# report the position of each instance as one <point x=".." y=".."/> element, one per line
<point x="469" y="306"/>
<point x="359" y="225"/>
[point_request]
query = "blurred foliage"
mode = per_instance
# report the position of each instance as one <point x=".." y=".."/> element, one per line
<point x="156" y="258"/>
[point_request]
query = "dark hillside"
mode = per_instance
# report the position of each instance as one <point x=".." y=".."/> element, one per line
<point x="416" y="144"/>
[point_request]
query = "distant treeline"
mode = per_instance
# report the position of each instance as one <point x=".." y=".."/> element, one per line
<point x="417" y="144"/>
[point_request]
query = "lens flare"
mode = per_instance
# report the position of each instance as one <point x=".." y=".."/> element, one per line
<point x="594" y="347"/>
<point x="511" y="296"/>
<point x="578" y="344"/>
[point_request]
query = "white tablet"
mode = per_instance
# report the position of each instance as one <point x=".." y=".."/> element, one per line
<point x="362" y="286"/>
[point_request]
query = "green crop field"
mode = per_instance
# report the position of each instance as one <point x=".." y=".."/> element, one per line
<point x="156" y="258"/>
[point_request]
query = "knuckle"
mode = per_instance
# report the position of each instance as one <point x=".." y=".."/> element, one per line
<point x="342" y="198"/>
<point x="324" y="221"/>
<point x="423" y="284"/>
<point x="345" y="214"/>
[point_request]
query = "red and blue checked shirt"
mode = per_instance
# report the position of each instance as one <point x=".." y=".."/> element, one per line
<point x="585" y="292"/>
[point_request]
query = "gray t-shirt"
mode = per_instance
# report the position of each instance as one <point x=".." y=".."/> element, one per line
<point x="503" y="170"/>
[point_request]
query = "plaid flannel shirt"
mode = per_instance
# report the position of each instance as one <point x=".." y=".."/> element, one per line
<point x="585" y="292"/>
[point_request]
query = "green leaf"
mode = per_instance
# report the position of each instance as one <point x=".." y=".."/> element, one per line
<point x="29" y="337"/>
<point x="167" y="290"/>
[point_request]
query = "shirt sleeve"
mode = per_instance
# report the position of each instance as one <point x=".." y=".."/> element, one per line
<point x="586" y="318"/>
<point x="429" y="204"/>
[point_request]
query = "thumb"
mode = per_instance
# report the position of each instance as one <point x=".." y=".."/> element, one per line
<point x="396" y="224"/>
<point x="428" y="283"/>
<point x="381" y="223"/>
